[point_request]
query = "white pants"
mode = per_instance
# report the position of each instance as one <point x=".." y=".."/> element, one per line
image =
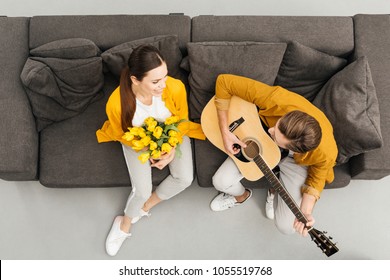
<point x="292" y="176"/>
<point x="181" y="177"/>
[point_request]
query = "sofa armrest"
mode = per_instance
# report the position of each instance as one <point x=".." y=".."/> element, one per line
<point x="372" y="39"/>
<point x="18" y="137"/>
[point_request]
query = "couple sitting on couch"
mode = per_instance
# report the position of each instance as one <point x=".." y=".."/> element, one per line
<point x="294" y="124"/>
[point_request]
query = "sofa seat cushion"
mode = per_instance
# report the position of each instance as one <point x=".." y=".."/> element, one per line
<point x="70" y="155"/>
<point x="62" y="79"/>
<point x="305" y="70"/>
<point x="349" y="101"/>
<point x="115" y="59"/>
<point x="256" y="60"/>
<point x="207" y="161"/>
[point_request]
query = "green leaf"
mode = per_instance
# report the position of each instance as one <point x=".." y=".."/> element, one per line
<point x="178" y="152"/>
<point x="168" y="127"/>
<point x="175" y="129"/>
<point x="160" y="142"/>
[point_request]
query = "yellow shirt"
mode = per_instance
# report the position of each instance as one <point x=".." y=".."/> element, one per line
<point x="175" y="98"/>
<point x="274" y="102"/>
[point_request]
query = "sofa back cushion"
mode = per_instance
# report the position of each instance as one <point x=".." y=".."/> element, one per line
<point x="71" y="48"/>
<point x="259" y="61"/>
<point x="107" y="31"/>
<point x="332" y="35"/>
<point x="350" y="103"/>
<point x="62" y="79"/>
<point x="116" y="58"/>
<point x="305" y="70"/>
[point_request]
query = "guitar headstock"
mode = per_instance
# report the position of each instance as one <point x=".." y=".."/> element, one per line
<point x="323" y="242"/>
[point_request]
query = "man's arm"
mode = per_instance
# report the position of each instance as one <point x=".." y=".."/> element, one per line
<point x="229" y="139"/>
<point x="307" y="206"/>
<point x="248" y="89"/>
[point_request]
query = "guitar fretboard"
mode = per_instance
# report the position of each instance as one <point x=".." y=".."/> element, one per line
<point x="283" y="193"/>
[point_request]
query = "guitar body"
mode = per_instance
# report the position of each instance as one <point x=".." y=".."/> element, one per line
<point x="251" y="128"/>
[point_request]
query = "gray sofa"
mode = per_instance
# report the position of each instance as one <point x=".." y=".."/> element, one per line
<point x="65" y="153"/>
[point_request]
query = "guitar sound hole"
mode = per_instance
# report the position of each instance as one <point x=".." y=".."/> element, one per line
<point x="252" y="149"/>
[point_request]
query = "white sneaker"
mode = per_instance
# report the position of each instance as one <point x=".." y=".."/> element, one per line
<point x="224" y="201"/>
<point x="142" y="213"/>
<point x="269" y="206"/>
<point x="116" y="237"/>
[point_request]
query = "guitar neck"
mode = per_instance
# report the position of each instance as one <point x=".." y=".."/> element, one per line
<point x="283" y="193"/>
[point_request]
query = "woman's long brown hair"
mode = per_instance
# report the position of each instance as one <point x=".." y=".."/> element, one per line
<point x="143" y="59"/>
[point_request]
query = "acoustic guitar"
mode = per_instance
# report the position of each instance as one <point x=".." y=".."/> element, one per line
<point x="259" y="156"/>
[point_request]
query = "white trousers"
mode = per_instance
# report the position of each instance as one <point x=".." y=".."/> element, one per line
<point x="181" y="177"/>
<point x="292" y="176"/>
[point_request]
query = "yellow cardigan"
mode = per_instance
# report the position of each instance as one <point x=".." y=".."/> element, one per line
<point x="274" y="102"/>
<point x="175" y="98"/>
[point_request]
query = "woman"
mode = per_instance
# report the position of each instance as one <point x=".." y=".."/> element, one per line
<point x="145" y="91"/>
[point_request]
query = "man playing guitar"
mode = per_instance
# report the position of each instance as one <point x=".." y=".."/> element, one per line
<point x="295" y="125"/>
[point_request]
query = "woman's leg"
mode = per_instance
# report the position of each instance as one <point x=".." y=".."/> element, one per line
<point x="141" y="182"/>
<point x="181" y="174"/>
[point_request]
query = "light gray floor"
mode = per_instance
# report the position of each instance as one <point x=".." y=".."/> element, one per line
<point x="42" y="223"/>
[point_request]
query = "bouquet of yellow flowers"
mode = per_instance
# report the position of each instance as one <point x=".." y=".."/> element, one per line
<point x="153" y="138"/>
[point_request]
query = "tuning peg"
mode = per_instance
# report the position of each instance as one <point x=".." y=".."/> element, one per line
<point x="330" y="237"/>
<point x="324" y="232"/>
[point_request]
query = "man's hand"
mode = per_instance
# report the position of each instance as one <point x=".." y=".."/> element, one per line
<point x="301" y="228"/>
<point x="230" y="142"/>
<point x="307" y="206"/>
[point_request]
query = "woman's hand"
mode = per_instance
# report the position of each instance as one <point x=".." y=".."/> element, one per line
<point x="164" y="160"/>
<point x="301" y="228"/>
<point x="232" y="144"/>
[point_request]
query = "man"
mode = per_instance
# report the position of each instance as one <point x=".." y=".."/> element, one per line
<point x="295" y="125"/>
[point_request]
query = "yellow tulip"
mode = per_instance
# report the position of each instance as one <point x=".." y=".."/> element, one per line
<point x="141" y="132"/>
<point x="137" y="145"/>
<point x="157" y="132"/>
<point x="173" y="141"/>
<point x="128" y="136"/>
<point x="156" y="154"/>
<point x="146" y="140"/>
<point x="144" y="157"/>
<point x="134" y="130"/>
<point x="151" y="126"/>
<point x="152" y="145"/>
<point x="149" y="120"/>
<point x="171" y="120"/>
<point x="166" y="147"/>
<point x="172" y="133"/>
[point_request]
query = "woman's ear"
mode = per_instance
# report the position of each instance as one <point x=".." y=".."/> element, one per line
<point x="134" y="80"/>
